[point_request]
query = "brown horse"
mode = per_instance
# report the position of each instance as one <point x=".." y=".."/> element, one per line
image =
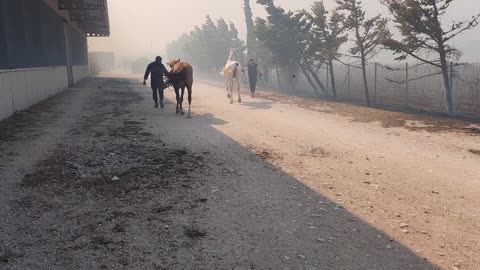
<point x="181" y="76"/>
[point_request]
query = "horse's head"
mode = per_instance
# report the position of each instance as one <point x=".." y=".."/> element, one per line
<point x="172" y="63"/>
<point x="232" y="55"/>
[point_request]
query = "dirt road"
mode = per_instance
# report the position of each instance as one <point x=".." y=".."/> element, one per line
<point x="96" y="178"/>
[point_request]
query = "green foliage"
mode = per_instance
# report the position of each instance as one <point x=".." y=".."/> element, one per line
<point x="328" y="33"/>
<point x="422" y="31"/>
<point x="207" y="46"/>
<point x="288" y="37"/>
<point x="251" y="39"/>
<point x="369" y="34"/>
<point x="280" y="34"/>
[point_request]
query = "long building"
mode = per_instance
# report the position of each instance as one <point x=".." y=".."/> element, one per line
<point x="43" y="47"/>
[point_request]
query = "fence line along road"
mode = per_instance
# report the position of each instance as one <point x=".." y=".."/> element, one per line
<point x="404" y="86"/>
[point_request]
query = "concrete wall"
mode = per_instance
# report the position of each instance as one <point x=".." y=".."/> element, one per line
<point x="80" y="72"/>
<point x="22" y="88"/>
<point x="41" y="53"/>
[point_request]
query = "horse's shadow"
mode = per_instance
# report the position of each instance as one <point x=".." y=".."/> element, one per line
<point x="212" y="120"/>
<point x="262" y="105"/>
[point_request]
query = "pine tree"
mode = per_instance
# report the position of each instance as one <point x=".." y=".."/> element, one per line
<point x="328" y="35"/>
<point x="283" y="33"/>
<point x="368" y="32"/>
<point x="206" y="47"/>
<point x="237" y="44"/>
<point x="251" y="39"/>
<point x="424" y="35"/>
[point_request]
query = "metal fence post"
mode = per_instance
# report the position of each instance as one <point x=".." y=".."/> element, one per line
<point x="451" y="79"/>
<point x="348" y="75"/>
<point x="452" y="88"/>
<point x="406" y="84"/>
<point x="328" y="81"/>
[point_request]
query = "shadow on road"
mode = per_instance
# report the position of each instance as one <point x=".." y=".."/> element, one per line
<point x="212" y="120"/>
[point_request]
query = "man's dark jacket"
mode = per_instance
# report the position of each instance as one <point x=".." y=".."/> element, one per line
<point x="158" y="70"/>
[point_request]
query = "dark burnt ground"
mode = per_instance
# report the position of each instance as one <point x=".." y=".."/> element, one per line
<point x="110" y="196"/>
<point x="28" y="125"/>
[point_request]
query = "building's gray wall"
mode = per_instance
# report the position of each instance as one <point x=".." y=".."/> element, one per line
<point x="33" y="54"/>
<point x="80" y="72"/>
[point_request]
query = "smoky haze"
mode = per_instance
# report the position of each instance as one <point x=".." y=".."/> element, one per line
<point x="143" y="28"/>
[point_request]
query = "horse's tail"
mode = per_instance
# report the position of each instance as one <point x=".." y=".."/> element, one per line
<point x="235" y="70"/>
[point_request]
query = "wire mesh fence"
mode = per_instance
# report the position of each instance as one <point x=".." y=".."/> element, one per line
<point x="403" y="85"/>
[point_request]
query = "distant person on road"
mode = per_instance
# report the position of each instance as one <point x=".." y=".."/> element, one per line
<point x="158" y="70"/>
<point x="252" y="76"/>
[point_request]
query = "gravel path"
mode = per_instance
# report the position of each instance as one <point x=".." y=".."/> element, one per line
<point x="96" y="178"/>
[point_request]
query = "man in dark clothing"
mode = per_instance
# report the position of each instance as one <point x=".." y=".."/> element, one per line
<point x="158" y="70"/>
<point x="252" y="76"/>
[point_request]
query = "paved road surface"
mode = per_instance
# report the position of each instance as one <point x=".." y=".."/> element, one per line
<point x="96" y="178"/>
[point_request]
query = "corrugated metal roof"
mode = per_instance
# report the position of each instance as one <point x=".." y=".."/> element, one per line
<point x="90" y="15"/>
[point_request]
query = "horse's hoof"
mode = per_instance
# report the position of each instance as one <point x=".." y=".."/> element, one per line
<point x="182" y="113"/>
<point x="239" y="101"/>
<point x="231" y="101"/>
<point x="189" y="116"/>
<point x="177" y="112"/>
<point x="228" y="96"/>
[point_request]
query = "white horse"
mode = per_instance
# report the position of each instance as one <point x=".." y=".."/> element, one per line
<point x="232" y="72"/>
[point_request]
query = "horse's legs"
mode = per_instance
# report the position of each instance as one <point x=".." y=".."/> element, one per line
<point x="227" y="86"/>
<point x="181" y="100"/>
<point x="177" y="94"/>
<point x="238" y="86"/>
<point x="231" y="90"/>
<point x="189" y="88"/>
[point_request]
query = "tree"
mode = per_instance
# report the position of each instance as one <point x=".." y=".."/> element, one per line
<point x="237" y="44"/>
<point x="283" y="33"/>
<point x="224" y="41"/>
<point x="423" y="35"/>
<point x="368" y="34"/>
<point x="306" y="39"/>
<point x="251" y="40"/>
<point x="269" y="49"/>
<point x="328" y="35"/>
<point x="212" y="43"/>
<point x="207" y="47"/>
<point x="266" y="61"/>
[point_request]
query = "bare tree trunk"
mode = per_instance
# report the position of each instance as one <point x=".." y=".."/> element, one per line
<point x="332" y="78"/>
<point x="317" y="79"/>
<point x="363" y="57"/>
<point x="309" y="79"/>
<point x="365" y="79"/>
<point x="278" y="77"/>
<point x="444" y="63"/>
<point x="266" y="76"/>
<point x="447" y="82"/>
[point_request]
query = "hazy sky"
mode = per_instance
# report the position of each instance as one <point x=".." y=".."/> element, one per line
<point x="144" y="27"/>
